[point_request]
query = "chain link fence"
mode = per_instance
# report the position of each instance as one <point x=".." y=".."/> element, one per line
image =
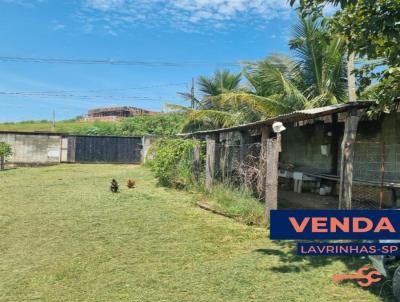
<point x="376" y="174"/>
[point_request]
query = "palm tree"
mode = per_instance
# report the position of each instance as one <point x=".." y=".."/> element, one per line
<point x="321" y="61"/>
<point x="222" y="82"/>
<point x="210" y="112"/>
<point x="315" y="77"/>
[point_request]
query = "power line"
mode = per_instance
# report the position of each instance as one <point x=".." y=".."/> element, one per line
<point x="144" y="63"/>
<point x="111" y="89"/>
<point x="51" y="95"/>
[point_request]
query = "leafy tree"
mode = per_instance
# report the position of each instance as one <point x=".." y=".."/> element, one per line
<point x="5" y="151"/>
<point x="372" y="31"/>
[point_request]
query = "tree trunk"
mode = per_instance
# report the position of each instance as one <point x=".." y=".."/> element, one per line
<point x="351" y="78"/>
<point x="1" y="162"/>
<point x="211" y="161"/>
<point x="346" y="169"/>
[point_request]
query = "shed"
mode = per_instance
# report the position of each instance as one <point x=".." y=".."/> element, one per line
<point x="331" y="146"/>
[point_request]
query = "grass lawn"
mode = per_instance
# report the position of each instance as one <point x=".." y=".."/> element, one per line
<point x="46" y="126"/>
<point x="65" y="237"/>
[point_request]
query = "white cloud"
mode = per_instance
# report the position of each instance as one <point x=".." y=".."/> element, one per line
<point x="57" y="25"/>
<point x="190" y="15"/>
<point x="105" y="5"/>
<point x="26" y="3"/>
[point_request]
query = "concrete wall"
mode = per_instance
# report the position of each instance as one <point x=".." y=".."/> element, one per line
<point x="304" y="147"/>
<point x="308" y="148"/>
<point x="51" y="148"/>
<point x="33" y="148"/>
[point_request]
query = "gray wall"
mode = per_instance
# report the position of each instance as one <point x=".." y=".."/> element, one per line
<point x="50" y="148"/>
<point x="33" y="149"/>
<point x="301" y="147"/>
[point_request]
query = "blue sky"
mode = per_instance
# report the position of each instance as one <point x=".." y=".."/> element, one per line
<point x="181" y="31"/>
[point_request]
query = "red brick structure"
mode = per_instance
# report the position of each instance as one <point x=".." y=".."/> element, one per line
<point x="115" y="113"/>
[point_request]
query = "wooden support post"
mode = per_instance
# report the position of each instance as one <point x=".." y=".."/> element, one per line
<point x="271" y="178"/>
<point x="244" y="140"/>
<point x="2" y="162"/>
<point x="263" y="161"/>
<point x="211" y="161"/>
<point x="196" y="160"/>
<point x="335" y="144"/>
<point x="346" y="165"/>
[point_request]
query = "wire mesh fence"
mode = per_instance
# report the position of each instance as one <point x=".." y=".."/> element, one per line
<point x="376" y="174"/>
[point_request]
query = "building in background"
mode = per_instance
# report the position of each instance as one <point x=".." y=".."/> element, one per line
<point x="115" y="113"/>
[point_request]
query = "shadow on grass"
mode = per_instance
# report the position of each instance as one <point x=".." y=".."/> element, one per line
<point x="292" y="263"/>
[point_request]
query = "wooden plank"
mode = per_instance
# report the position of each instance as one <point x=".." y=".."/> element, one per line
<point x="211" y="161"/>
<point x="271" y="178"/>
<point x="346" y="165"/>
<point x="196" y="160"/>
<point x="244" y="140"/>
<point x="335" y="138"/>
<point x="263" y="161"/>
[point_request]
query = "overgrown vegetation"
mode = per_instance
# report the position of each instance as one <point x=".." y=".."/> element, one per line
<point x="5" y="151"/>
<point x="238" y="203"/>
<point x="172" y="162"/>
<point x="159" y="124"/>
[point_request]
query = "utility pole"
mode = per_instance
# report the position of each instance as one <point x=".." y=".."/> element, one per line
<point x="54" y="120"/>
<point x="192" y="97"/>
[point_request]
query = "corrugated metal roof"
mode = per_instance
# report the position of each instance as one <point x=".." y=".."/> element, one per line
<point x="295" y="116"/>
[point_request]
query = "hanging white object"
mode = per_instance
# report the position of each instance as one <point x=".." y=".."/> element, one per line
<point x="278" y="127"/>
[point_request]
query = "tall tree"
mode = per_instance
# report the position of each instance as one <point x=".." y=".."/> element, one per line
<point x="315" y="77"/>
<point x="372" y="30"/>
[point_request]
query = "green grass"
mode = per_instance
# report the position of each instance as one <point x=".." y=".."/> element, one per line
<point x="46" y="126"/>
<point x="65" y="237"/>
<point x="235" y="203"/>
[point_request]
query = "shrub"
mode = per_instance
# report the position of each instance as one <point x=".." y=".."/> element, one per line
<point x="5" y="151"/>
<point x="158" y="124"/>
<point x="172" y="161"/>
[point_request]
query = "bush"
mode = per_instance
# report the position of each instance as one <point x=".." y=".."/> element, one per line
<point x="5" y="151"/>
<point x="172" y="161"/>
<point x="158" y="124"/>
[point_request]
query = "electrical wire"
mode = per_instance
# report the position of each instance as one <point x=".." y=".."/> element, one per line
<point x="111" y="89"/>
<point x="144" y="63"/>
<point x="51" y="95"/>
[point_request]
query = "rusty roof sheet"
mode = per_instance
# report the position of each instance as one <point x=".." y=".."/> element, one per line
<point x="295" y="116"/>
